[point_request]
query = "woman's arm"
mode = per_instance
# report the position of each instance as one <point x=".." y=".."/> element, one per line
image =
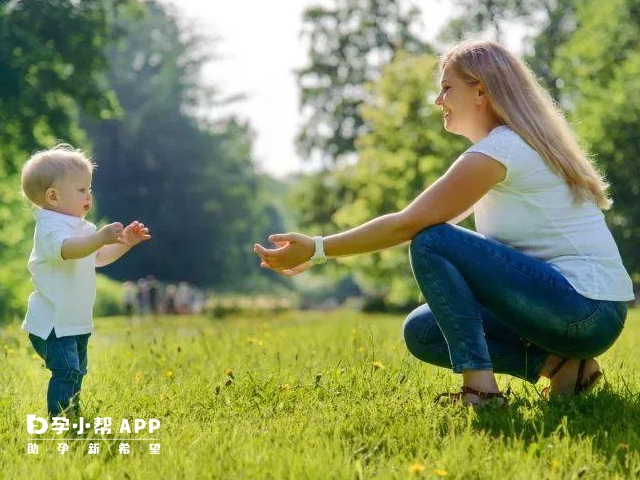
<point x="467" y="180"/>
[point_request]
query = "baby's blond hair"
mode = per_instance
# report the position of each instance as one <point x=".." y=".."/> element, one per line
<point x="46" y="166"/>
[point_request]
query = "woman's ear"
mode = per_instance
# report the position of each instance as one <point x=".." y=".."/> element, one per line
<point x="482" y="97"/>
<point x="51" y="196"/>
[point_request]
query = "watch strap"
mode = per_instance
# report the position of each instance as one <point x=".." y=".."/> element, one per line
<point x="318" y="256"/>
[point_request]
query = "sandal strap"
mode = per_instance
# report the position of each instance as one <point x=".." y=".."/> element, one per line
<point x="455" y="397"/>
<point x="578" y="386"/>
<point x="557" y="368"/>
<point x="582" y="385"/>
<point x="483" y="395"/>
<point x="589" y="383"/>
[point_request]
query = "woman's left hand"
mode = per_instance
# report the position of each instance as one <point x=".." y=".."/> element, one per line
<point x="291" y="255"/>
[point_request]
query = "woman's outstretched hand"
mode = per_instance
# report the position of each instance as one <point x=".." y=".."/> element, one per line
<point x="290" y="255"/>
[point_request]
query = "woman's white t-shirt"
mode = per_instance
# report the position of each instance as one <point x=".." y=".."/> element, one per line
<point x="533" y="211"/>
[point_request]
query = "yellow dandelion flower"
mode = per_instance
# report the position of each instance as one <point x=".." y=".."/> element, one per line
<point x="441" y="472"/>
<point x="168" y="374"/>
<point x="378" y="365"/>
<point x="555" y="463"/>
<point x="417" y="468"/>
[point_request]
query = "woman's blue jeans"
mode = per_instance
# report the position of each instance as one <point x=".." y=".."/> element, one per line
<point x="66" y="357"/>
<point x="491" y="307"/>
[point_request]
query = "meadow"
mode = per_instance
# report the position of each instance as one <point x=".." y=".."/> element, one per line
<point x="307" y="395"/>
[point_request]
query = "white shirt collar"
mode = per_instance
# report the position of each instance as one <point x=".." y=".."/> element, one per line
<point x="44" y="214"/>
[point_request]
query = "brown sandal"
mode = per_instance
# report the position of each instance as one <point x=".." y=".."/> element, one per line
<point x="581" y="386"/>
<point x="486" y="398"/>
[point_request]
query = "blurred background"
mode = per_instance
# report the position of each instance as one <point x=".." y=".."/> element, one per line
<point x="216" y="123"/>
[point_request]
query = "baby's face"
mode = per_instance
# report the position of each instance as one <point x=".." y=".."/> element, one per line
<point x="72" y="194"/>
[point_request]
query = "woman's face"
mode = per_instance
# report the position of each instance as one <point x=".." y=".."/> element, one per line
<point x="461" y="104"/>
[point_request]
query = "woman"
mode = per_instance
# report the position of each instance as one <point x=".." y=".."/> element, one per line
<point x="540" y="289"/>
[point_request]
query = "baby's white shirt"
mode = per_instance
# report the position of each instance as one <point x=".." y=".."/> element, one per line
<point x="64" y="290"/>
<point x="533" y="210"/>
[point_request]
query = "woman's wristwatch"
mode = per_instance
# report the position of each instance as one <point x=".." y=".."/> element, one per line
<point x="318" y="256"/>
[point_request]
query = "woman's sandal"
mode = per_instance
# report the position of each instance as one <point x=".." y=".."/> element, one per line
<point x="581" y="386"/>
<point x="486" y="398"/>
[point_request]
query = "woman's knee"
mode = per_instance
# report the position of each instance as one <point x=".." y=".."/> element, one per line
<point x="420" y="330"/>
<point x="428" y="237"/>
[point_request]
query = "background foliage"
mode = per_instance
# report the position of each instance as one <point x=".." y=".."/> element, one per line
<point x="585" y="53"/>
<point x="121" y="79"/>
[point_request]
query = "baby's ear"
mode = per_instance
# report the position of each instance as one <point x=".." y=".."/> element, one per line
<point x="51" y="196"/>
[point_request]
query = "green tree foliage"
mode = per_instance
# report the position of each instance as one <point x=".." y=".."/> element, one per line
<point x="491" y="16"/>
<point x="600" y="66"/>
<point x="51" y="60"/>
<point x="348" y="45"/>
<point x="193" y="183"/>
<point x="405" y="150"/>
<point x="552" y="22"/>
<point x="556" y="27"/>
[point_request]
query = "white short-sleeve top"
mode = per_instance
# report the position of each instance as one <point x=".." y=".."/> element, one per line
<point x="533" y="211"/>
<point x="64" y="290"/>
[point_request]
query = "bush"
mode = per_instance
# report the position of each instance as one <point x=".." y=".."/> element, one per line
<point x="108" y="297"/>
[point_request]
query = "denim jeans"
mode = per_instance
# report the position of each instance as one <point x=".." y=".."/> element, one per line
<point x="491" y="307"/>
<point x="66" y="357"/>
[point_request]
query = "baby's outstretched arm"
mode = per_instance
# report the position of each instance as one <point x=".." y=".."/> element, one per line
<point x="79" y="247"/>
<point x="132" y="234"/>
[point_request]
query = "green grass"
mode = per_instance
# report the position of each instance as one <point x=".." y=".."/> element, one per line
<point x="314" y="395"/>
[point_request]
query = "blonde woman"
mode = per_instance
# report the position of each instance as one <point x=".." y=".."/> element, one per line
<point x="540" y="289"/>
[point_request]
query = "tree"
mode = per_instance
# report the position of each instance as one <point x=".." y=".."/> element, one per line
<point x="348" y="46"/>
<point x="490" y="16"/>
<point x="600" y="67"/>
<point x="191" y="181"/>
<point x="550" y="21"/>
<point x="51" y="65"/>
<point x="405" y="150"/>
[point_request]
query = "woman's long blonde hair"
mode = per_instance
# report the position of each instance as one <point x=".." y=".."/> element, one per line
<point x="526" y="107"/>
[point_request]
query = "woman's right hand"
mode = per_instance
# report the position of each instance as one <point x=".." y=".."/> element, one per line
<point x="290" y="255"/>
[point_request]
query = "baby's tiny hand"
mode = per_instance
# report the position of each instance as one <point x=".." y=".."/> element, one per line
<point x="135" y="233"/>
<point x="111" y="233"/>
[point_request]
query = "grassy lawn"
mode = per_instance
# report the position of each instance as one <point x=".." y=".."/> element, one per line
<point x="307" y="395"/>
